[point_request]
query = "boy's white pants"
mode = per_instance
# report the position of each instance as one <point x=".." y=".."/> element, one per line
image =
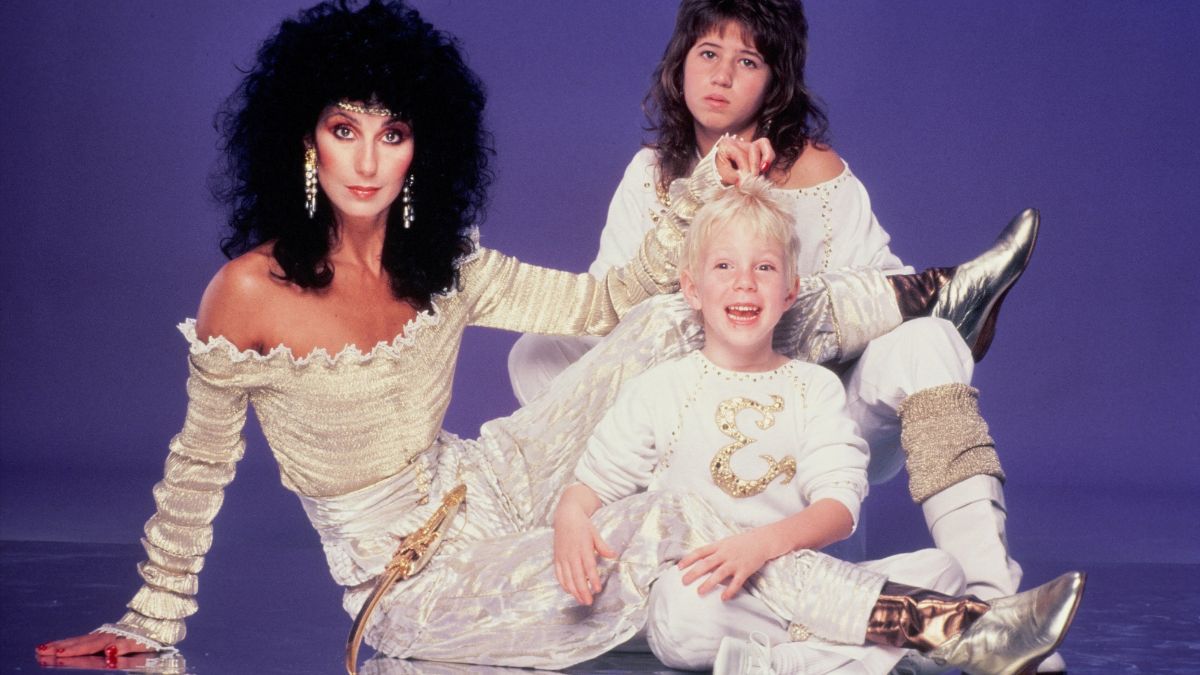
<point x="685" y="629"/>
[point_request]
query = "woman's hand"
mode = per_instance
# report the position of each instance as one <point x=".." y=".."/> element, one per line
<point x="576" y="545"/>
<point x="169" y="662"/>
<point x="738" y="159"/>
<point x="111" y="646"/>
<point x="733" y="558"/>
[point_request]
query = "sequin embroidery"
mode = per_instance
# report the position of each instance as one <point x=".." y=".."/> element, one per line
<point x="722" y="470"/>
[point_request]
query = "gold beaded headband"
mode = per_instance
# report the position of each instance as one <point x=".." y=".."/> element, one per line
<point x="378" y="111"/>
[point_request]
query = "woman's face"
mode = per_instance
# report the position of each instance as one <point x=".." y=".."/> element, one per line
<point x="725" y="81"/>
<point x="362" y="160"/>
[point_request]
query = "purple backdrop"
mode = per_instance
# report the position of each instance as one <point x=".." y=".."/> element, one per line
<point x="955" y="117"/>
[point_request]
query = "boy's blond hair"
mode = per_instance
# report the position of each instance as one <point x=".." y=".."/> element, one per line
<point x="751" y="205"/>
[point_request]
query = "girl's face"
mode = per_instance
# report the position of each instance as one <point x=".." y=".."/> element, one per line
<point x="725" y="81"/>
<point x="362" y="160"/>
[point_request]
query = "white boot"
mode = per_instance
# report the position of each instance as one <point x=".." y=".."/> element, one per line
<point x="967" y="521"/>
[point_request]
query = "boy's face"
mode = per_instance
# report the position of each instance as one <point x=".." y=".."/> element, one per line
<point x="739" y="286"/>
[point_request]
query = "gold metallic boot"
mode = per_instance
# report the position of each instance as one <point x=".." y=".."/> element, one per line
<point x="1017" y="633"/>
<point x="1008" y="636"/>
<point x="969" y="295"/>
<point x="971" y="299"/>
<point x="917" y="293"/>
<point x="918" y="618"/>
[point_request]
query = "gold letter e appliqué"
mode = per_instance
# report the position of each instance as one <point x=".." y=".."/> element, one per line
<point x="722" y="471"/>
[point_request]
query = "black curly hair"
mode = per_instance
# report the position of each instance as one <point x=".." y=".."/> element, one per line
<point x="384" y="53"/>
<point x="780" y="34"/>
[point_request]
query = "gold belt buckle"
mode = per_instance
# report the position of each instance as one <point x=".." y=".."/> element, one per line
<point x="412" y="556"/>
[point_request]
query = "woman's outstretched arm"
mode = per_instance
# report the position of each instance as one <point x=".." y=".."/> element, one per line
<point x="199" y="465"/>
<point x="527" y="298"/>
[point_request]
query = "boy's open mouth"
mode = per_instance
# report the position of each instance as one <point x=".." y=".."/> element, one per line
<point x="742" y="312"/>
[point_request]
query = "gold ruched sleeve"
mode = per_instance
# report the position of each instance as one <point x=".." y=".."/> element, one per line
<point x="687" y="195"/>
<point x="200" y="464"/>
<point x="531" y="299"/>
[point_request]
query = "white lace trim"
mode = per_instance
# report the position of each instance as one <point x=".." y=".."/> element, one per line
<point x="350" y="353"/>
<point x="113" y="629"/>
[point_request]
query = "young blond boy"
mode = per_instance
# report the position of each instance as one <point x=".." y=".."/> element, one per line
<point x="766" y="441"/>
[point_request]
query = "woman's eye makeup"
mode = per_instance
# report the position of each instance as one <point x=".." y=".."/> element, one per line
<point x="393" y="136"/>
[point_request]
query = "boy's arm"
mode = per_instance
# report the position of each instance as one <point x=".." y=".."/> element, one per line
<point x="621" y="453"/>
<point x="824" y="522"/>
<point x="734" y="559"/>
<point x="832" y="461"/>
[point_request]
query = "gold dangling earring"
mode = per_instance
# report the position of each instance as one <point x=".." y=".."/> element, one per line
<point x="407" y="213"/>
<point x="310" y="180"/>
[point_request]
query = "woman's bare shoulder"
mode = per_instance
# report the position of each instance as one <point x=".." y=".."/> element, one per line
<point x="234" y="302"/>
<point x="817" y="164"/>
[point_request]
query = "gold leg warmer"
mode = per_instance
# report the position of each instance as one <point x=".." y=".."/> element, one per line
<point x="945" y="439"/>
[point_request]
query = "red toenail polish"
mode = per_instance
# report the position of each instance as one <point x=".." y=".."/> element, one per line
<point x="42" y="648"/>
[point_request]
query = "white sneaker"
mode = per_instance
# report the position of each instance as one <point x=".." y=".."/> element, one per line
<point x="751" y="656"/>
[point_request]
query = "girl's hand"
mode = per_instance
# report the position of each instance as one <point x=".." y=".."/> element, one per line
<point x="111" y="646"/>
<point x="732" y="559"/>
<point x="576" y="545"/>
<point x="738" y="159"/>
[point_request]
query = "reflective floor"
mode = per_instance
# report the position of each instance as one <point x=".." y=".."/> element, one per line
<point x="274" y="610"/>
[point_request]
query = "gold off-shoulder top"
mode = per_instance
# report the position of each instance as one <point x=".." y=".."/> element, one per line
<point x="337" y="423"/>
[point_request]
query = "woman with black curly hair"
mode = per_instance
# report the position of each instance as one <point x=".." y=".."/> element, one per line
<point x="357" y="165"/>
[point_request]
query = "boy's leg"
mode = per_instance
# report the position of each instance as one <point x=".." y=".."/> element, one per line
<point x="685" y="629"/>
